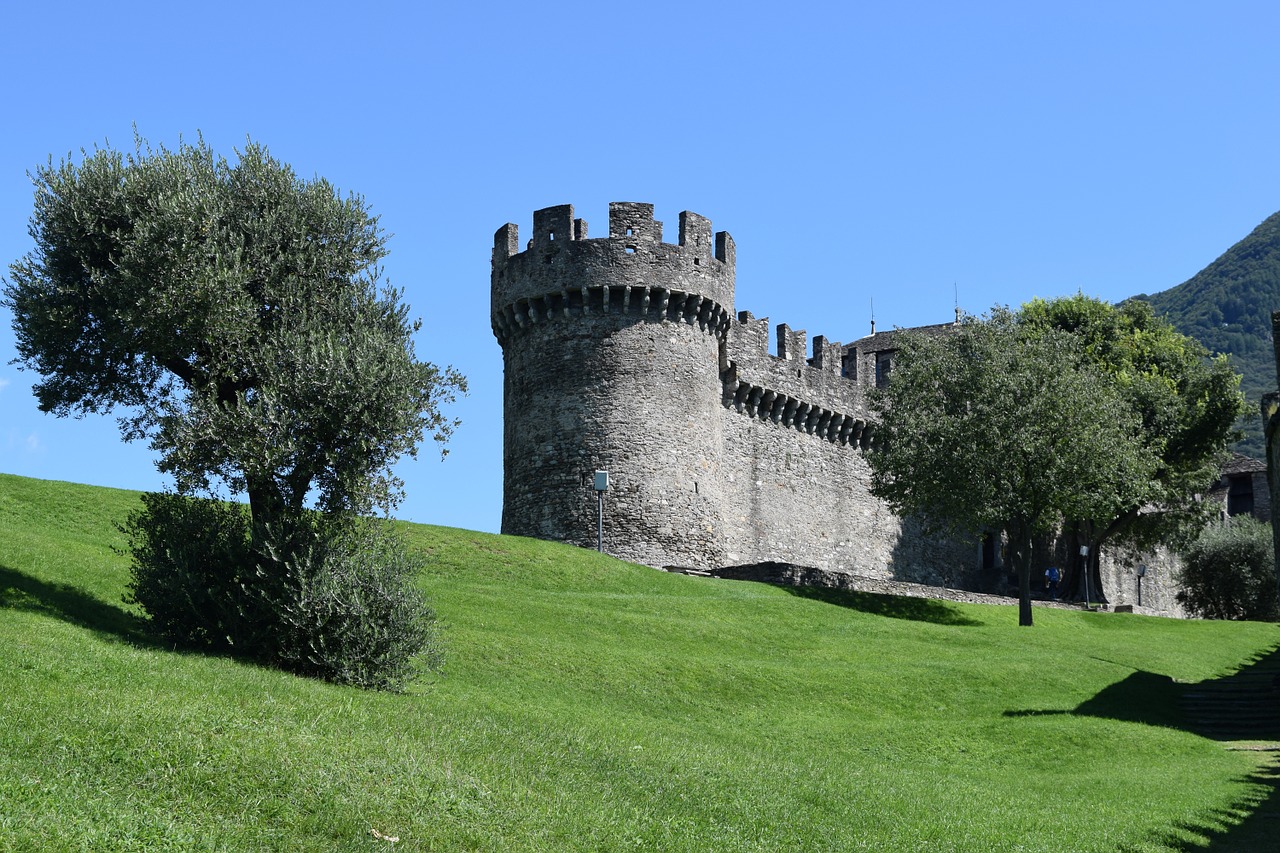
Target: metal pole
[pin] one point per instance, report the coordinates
(600, 522)
(1084, 557)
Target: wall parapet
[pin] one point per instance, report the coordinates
(633, 254)
(795, 372)
(769, 405)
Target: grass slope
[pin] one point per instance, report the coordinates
(593, 705)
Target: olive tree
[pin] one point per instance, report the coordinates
(983, 427)
(237, 318)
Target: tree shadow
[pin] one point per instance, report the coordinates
(19, 591)
(1248, 825)
(1142, 697)
(892, 606)
(1241, 707)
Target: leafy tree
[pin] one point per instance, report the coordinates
(985, 427)
(1230, 572)
(1186, 402)
(237, 314)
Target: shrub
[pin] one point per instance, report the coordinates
(191, 557)
(330, 596)
(1230, 572)
(347, 610)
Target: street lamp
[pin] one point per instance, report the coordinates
(1142, 571)
(1084, 557)
(602, 486)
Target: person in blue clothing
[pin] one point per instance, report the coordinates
(1051, 578)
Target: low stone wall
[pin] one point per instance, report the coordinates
(787, 574)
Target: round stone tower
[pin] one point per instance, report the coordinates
(612, 354)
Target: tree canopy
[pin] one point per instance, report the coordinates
(1230, 572)
(238, 318)
(1187, 403)
(987, 427)
(237, 312)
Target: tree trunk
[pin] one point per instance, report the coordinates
(1020, 551)
(266, 507)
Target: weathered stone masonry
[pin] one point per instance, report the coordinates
(624, 353)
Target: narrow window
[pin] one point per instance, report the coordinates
(884, 363)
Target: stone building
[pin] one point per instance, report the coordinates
(626, 354)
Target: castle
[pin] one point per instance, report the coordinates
(625, 354)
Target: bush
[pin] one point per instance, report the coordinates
(330, 596)
(347, 610)
(1230, 572)
(191, 557)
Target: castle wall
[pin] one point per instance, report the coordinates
(795, 478)
(1159, 584)
(636, 399)
(611, 350)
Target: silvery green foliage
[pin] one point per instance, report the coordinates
(237, 312)
(238, 316)
(327, 595)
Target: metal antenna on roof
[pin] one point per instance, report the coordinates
(956, 285)
(873, 315)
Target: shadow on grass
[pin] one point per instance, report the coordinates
(1243, 706)
(1249, 825)
(1142, 697)
(892, 606)
(20, 591)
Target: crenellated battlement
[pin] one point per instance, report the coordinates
(804, 382)
(560, 258)
(631, 225)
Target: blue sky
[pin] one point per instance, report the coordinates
(859, 153)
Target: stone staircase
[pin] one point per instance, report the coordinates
(1242, 706)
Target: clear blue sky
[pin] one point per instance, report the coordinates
(856, 151)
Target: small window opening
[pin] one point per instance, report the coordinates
(697, 262)
(630, 231)
(551, 235)
(884, 365)
(1240, 495)
(631, 250)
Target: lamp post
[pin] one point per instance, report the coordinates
(602, 486)
(1084, 558)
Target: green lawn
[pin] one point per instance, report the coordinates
(594, 705)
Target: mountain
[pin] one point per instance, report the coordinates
(1227, 307)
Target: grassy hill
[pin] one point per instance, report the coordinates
(589, 704)
(1227, 307)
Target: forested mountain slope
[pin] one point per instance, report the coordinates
(1227, 307)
